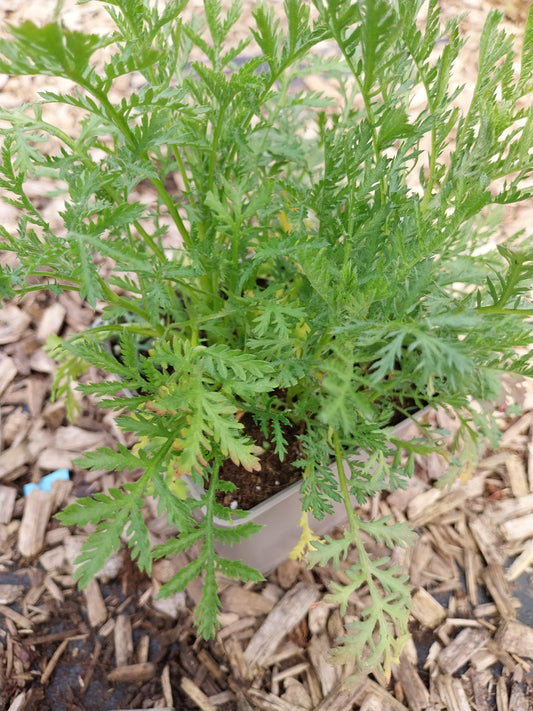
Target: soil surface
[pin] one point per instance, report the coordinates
(116, 646)
(274, 475)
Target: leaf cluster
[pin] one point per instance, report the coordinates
(310, 258)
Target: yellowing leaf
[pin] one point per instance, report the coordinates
(306, 539)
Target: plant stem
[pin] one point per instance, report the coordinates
(344, 485)
(124, 128)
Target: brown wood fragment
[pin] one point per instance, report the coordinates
(371, 703)
(8, 371)
(313, 686)
(15, 427)
(501, 655)
(166, 686)
(502, 699)
(263, 701)
(235, 598)
(53, 458)
(236, 627)
(480, 692)
(292, 608)
(196, 695)
(13, 323)
(211, 665)
(530, 464)
(10, 593)
(37, 391)
(515, 638)
(413, 687)
(19, 702)
(223, 697)
(288, 572)
(54, 589)
(89, 670)
(461, 649)
(421, 554)
(318, 618)
(428, 611)
(297, 695)
(51, 321)
(517, 529)
(488, 541)
(7, 503)
(517, 476)
(343, 699)
(288, 650)
(290, 672)
(52, 663)
(123, 640)
(54, 413)
(20, 620)
(498, 589)
(133, 673)
(432, 504)
(520, 564)
(12, 460)
(53, 559)
(517, 700)
(511, 508)
(55, 637)
(517, 428)
(77, 439)
(473, 566)
(96, 609)
(235, 656)
(483, 659)
(143, 649)
(453, 694)
(318, 651)
(37, 512)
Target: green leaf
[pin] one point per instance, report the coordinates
(110, 460)
(51, 50)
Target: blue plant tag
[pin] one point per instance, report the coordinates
(46, 482)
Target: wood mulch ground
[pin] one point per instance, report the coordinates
(115, 646)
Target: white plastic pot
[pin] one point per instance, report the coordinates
(280, 515)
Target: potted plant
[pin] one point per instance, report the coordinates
(322, 276)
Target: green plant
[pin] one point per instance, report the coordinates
(327, 273)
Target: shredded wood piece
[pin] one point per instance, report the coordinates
(47, 673)
(461, 649)
(133, 672)
(292, 607)
(196, 695)
(515, 637)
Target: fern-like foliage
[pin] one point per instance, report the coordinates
(309, 259)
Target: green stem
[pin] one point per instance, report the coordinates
(127, 327)
(432, 170)
(44, 287)
(500, 310)
(181, 166)
(344, 485)
(216, 137)
(157, 250)
(126, 131)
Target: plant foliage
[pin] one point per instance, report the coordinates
(323, 265)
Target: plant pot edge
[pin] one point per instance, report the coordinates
(280, 515)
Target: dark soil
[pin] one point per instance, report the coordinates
(275, 474)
